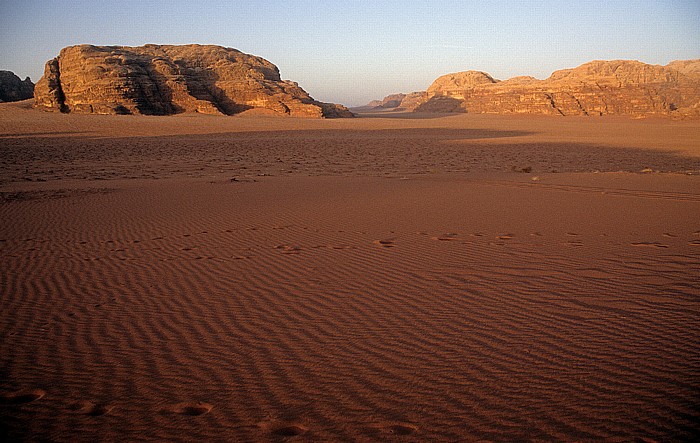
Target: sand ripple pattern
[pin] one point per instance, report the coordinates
(183, 317)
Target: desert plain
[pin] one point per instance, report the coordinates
(392, 277)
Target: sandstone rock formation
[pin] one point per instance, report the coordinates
(413, 100)
(396, 102)
(12, 88)
(452, 84)
(688, 67)
(596, 88)
(390, 101)
(165, 79)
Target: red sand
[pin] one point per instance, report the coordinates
(359, 280)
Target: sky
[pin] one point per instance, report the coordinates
(351, 52)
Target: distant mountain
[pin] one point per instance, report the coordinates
(620, 87)
(167, 79)
(13, 89)
(390, 101)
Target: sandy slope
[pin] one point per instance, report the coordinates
(374, 279)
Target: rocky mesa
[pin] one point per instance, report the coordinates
(620, 87)
(171, 79)
(13, 89)
(390, 101)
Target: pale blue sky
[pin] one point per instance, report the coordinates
(353, 51)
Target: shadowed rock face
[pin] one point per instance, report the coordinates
(165, 79)
(13, 89)
(597, 88)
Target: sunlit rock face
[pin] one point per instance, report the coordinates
(620, 87)
(166, 79)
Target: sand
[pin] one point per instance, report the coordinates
(388, 278)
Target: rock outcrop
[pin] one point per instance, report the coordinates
(390, 101)
(13, 89)
(166, 79)
(690, 68)
(452, 84)
(396, 102)
(619, 87)
(413, 100)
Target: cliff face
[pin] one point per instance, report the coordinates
(12, 88)
(390, 101)
(595, 88)
(458, 82)
(164, 79)
(690, 68)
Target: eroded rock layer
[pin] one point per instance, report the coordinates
(166, 79)
(390, 101)
(620, 87)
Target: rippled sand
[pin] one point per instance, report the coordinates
(391, 278)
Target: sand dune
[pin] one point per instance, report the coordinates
(380, 279)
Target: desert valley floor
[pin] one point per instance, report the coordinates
(395, 277)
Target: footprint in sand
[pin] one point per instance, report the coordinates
(90, 409)
(289, 430)
(283, 428)
(447, 237)
(21, 397)
(289, 249)
(191, 409)
(334, 247)
(387, 243)
(648, 244)
(397, 428)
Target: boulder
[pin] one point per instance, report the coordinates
(167, 79)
